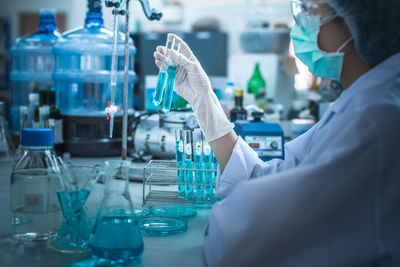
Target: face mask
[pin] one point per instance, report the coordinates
(320, 63)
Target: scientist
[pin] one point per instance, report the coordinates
(335, 199)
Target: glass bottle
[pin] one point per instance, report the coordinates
(238, 112)
(34, 206)
(115, 237)
(257, 86)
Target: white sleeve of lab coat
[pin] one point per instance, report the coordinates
(321, 213)
(245, 164)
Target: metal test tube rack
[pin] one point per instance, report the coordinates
(159, 175)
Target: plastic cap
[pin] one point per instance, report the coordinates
(238, 92)
(33, 97)
(230, 84)
(37, 137)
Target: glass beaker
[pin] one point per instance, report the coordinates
(115, 237)
(73, 191)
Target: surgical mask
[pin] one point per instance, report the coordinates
(320, 63)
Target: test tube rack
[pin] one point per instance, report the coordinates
(160, 182)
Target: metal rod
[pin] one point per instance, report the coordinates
(126, 69)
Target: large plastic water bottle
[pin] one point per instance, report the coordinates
(228, 98)
(33, 63)
(34, 206)
(82, 81)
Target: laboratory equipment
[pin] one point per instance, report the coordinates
(179, 161)
(174, 211)
(188, 164)
(238, 112)
(35, 212)
(32, 63)
(267, 139)
(198, 163)
(83, 64)
(209, 176)
(6, 146)
(228, 98)
(55, 122)
(162, 226)
(160, 176)
(44, 116)
(162, 77)
(115, 237)
(75, 185)
(33, 103)
(169, 86)
(155, 133)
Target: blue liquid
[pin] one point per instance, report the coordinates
(198, 164)
(179, 162)
(116, 239)
(189, 180)
(215, 167)
(208, 180)
(169, 89)
(158, 93)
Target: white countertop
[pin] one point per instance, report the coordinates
(180, 250)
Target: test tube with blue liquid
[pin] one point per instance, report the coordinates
(162, 77)
(187, 141)
(180, 161)
(198, 164)
(215, 167)
(169, 87)
(209, 175)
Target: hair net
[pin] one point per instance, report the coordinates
(374, 24)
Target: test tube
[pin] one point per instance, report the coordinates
(198, 164)
(208, 180)
(187, 141)
(215, 167)
(169, 87)
(162, 76)
(180, 162)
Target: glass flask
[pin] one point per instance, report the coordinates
(32, 63)
(75, 185)
(35, 211)
(116, 237)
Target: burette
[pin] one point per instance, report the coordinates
(111, 108)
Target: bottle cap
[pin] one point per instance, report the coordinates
(37, 137)
(230, 84)
(238, 92)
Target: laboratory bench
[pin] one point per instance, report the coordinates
(178, 250)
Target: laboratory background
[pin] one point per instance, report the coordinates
(108, 165)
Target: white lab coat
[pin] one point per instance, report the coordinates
(333, 201)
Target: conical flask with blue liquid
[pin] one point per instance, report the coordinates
(115, 237)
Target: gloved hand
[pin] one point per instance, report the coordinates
(192, 83)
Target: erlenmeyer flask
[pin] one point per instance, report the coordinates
(115, 237)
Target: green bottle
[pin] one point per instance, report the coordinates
(257, 87)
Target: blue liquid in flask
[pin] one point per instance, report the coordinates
(158, 93)
(116, 239)
(169, 89)
(180, 164)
